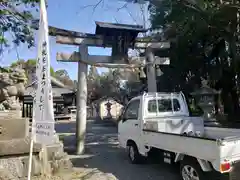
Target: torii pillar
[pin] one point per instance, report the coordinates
(81, 118)
(151, 75)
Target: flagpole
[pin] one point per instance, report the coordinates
(31, 140)
(30, 160)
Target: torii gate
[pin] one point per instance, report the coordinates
(84, 40)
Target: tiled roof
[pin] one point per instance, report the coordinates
(53, 80)
(58, 88)
(56, 91)
(120, 26)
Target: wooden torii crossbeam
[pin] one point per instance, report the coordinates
(98, 42)
(84, 40)
(78, 38)
(70, 37)
(103, 61)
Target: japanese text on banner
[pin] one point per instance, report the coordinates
(43, 117)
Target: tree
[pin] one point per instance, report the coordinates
(63, 76)
(115, 83)
(28, 65)
(204, 37)
(17, 21)
(93, 73)
(106, 84)
(93, 84)
(61, 73)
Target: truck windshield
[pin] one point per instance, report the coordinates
(163, 105)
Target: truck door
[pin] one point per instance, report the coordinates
(130, 127)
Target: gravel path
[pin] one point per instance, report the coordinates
(104, 160)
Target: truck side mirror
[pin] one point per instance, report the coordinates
(124, 119)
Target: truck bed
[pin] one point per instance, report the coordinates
(221, 133)
(217, 144)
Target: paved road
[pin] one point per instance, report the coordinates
(104, 155)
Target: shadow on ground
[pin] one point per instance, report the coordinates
(70, 126)
(65, 127)
(103, 154)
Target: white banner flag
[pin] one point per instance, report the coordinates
(43, 117)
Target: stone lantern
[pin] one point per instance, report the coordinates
(204, 97)
(108, 107)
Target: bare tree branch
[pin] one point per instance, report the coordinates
(116, 20)
(94, 6)
(130, 14)
(15, 47)
(122, 7)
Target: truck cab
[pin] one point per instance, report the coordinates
(165, 112)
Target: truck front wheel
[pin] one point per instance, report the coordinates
(133, 154)
(191, 170)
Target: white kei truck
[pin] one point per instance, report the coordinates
(160, 124)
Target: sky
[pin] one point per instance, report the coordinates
(79, 15)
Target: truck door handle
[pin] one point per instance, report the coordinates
(136, 124)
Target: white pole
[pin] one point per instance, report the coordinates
(30, 160)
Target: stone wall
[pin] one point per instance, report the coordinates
(15, 147)
(10, 114)
(17, 166)
(12, 126)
